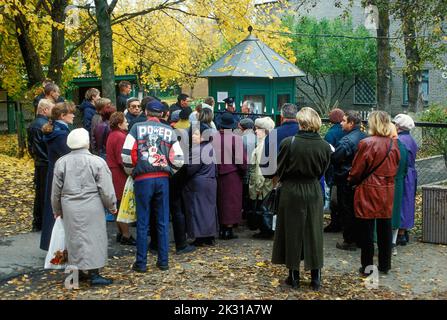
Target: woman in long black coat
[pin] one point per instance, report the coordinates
(55, 136)
(302, 160)
(200, 191)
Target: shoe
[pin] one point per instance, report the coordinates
(187, 249)
(198, 242)
(401, 240)
(36, 229)
(110, 217)
(228, 234)
(210, 241)
(162, 267)
(83, 276)
(293, 279)
(97, 280)
(315, 283)
(332, 228)
(407, 236)
(346, 246)
(119, 236)
(363, 273)
(128, 241)
(153, 251)
(394, 250)
(383, 271)
(138, 269)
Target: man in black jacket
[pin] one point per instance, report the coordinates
(342, 161)
(125, 88)
(182, 102)
(38, 150)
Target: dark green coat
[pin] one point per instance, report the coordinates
(399, 185)
(300, 218)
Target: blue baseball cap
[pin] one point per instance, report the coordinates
(155, 106)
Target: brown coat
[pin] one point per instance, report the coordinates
(374, 196)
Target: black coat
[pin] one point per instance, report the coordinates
(36, 146)
(121, 101)
(344, 154)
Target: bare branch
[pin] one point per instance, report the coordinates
(112, 6)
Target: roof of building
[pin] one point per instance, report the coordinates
(252, 58)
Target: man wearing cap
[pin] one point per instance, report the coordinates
(229, 108)
(404, 123)
(151, 153)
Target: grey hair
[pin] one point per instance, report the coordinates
(154, 114)
(289, 110)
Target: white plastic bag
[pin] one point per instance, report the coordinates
(57, 254)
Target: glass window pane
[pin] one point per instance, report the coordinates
(259, 101)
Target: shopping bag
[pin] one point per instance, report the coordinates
(127, 212)
(57, 255)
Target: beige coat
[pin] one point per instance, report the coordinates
(82, 188)
(258, 184)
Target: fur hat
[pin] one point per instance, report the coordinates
(404, 122)
(78, 139)
(247, 123)
(265, 123)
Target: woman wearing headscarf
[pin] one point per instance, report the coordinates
(373, 171)
(200, 191)
(82, 187)
(302, 160)
(404, 124)
(259, 186)
(55, 137)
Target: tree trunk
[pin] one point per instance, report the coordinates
(413, 69)
(57, 42)
(30, 56)
(384, 58)
(106, 50)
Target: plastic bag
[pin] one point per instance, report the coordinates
(57, 255)
(128, 209)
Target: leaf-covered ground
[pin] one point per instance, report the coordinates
(16, 195)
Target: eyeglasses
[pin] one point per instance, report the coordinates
(134, 106)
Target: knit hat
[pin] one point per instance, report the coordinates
(78, 139)
(404, 122)
(336, 115)
(247, 123)
(265, 123)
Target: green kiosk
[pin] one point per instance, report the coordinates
(253, 71)
(81, 84)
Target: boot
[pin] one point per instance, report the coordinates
(316, 279)
(97, 280)
(293, 279)
(229, 234)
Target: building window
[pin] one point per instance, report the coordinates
(282, 98)
(364, 92)
(259, 102)
(425, 87)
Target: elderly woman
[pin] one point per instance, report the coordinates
(302, 160)
(82, 187)
(404, 124)
(373, 171)
(259, 186)
(55, 137)
(200, 191)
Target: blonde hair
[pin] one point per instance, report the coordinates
(92, 92)
(308, 119)
(101, 103)
(393, 133)
(44, 104)
(379, 124)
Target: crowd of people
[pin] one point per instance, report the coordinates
(207, 172)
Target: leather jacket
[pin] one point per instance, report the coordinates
(36, 146)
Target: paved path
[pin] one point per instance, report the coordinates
(418, 269)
